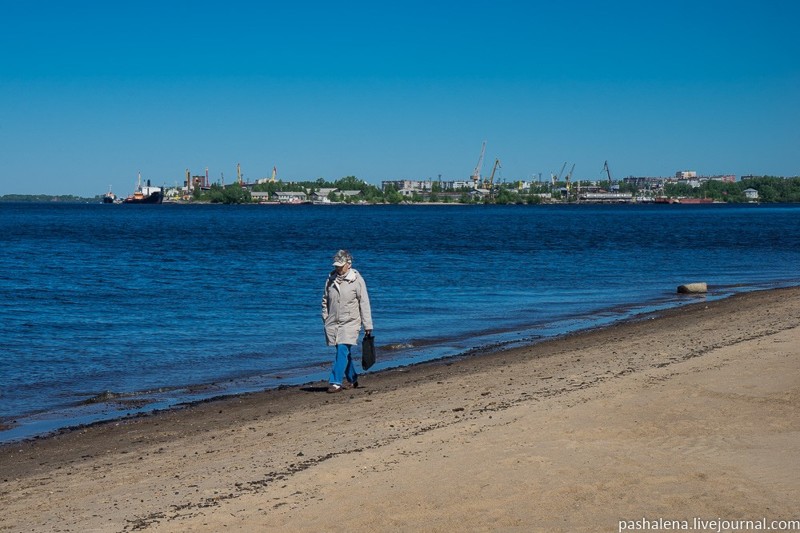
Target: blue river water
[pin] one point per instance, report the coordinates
(112, 310)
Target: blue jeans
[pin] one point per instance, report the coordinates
(343, 366)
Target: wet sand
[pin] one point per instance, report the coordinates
(689, 413)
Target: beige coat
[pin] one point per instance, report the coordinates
(345, 308)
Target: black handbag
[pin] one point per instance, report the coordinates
(367, 351)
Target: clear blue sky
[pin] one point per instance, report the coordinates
(93, 92)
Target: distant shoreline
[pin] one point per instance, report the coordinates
(433, 204)
(685, 187)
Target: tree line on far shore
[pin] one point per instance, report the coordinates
(64, 198)
(771, 189)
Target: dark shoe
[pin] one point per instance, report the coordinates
(348, 385)
(334, 388)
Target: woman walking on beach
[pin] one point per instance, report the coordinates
(345, 308)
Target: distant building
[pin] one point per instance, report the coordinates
(349, 194)
(645, 182)
(173, 193)
(408, 185)
(259, 196)
(457, 185)
(751, 194)
(196, 182)
(290, 197)
(726, 178)
(479, 193)
(606, 197)
(691, 177)
(321, 195)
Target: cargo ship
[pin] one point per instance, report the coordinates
(145, 195)
(109, 197)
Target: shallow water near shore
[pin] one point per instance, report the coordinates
(110, 310)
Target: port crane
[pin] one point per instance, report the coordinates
(607, 171)
(554, 178)
(489, 184)
(568, 178)
(476, 174)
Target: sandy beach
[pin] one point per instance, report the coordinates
(686, 414)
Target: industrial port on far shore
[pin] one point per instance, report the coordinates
(560, 187)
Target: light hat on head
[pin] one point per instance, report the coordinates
(342, 258)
